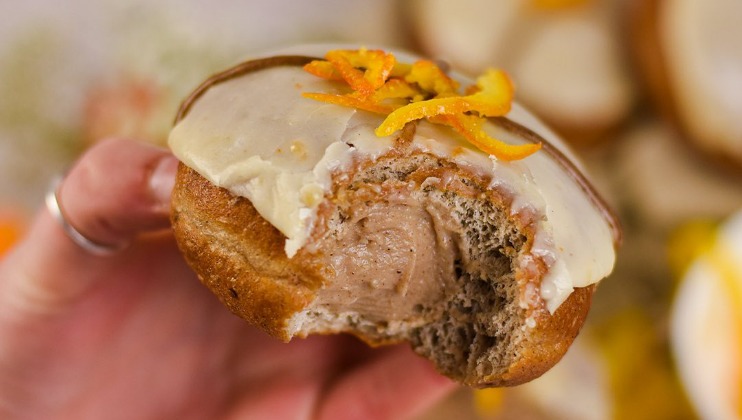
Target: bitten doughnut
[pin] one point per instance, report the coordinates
(358, 191)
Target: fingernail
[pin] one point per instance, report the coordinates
(162, 180)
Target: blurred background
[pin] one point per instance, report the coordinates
(648, 92)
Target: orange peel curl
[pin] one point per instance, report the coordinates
(410, 92)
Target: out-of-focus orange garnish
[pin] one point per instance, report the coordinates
(489, 402)
(409, 92)
(11, 229)
(557, 4)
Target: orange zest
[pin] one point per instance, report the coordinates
(409, 92)
(351, 102)
(471, 128)
(495, 94)
(396, 89)
(419, 110)
(431, 78)
(377, 64)
(323, 69)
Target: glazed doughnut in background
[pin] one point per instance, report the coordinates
(689, 57)
(566, 57)
(706, 317)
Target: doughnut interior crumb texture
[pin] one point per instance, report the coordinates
(480, 331)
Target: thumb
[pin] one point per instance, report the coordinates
(117, 191)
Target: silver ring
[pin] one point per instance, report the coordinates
(92, 247)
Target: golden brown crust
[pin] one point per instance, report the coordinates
(548, 340)
(238, 255)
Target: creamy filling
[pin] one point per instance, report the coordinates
(394, 259)
(256, 136)
(417, 255)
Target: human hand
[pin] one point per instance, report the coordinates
(134, 335)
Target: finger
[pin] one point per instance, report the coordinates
(119, 189)
(397, 385)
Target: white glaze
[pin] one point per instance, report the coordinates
(242, 135)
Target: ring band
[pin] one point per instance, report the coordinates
(92, 247)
